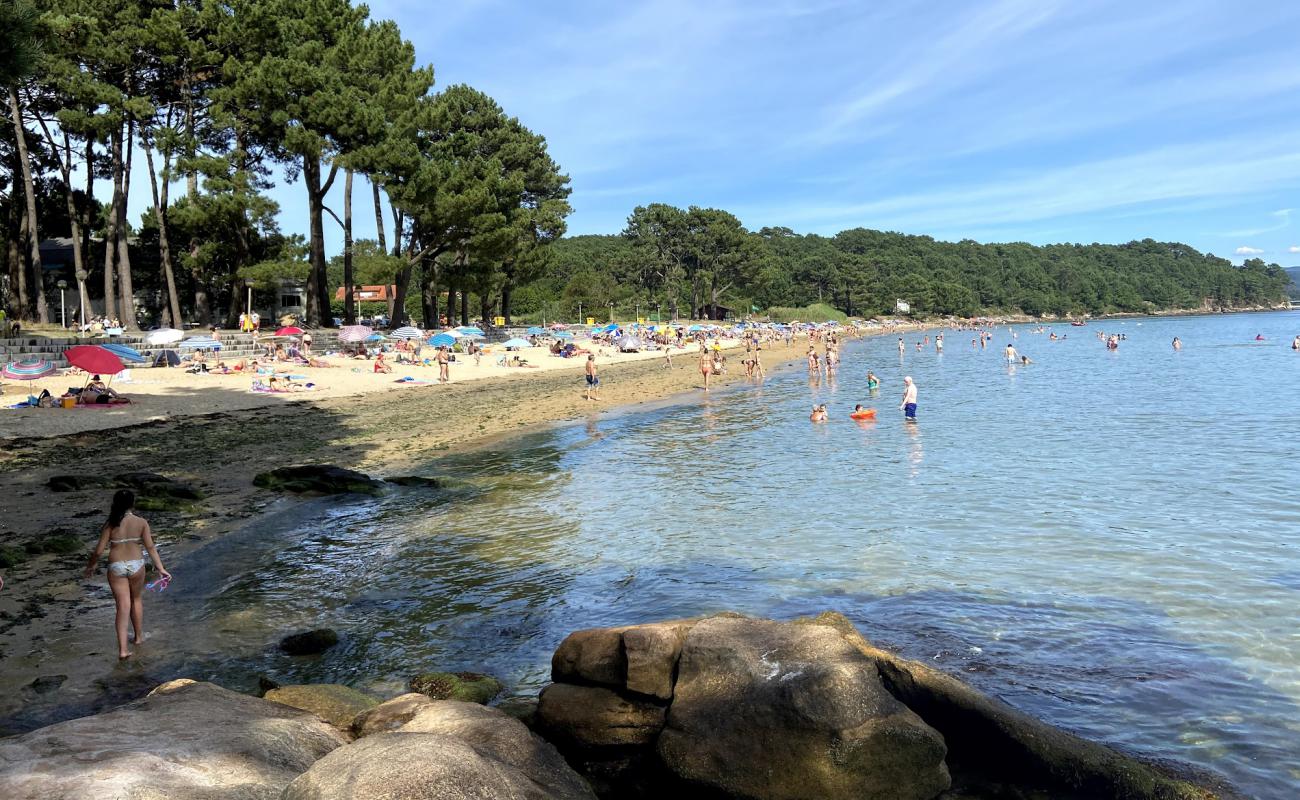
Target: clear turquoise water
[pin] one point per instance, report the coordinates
(1108, 540)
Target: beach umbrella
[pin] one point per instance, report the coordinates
(163, 336)
(407, 332)
(442, 340)
(376, 337)
(167, 358)
(536, 331)
(629, 344)
(516, 342)
(125, 353)
(289, 331)
(354, 333)
(695, 328)
(559, 326)
(200, 343)
(93, 358)
(563, 335)
(28, 369)
(471, 330)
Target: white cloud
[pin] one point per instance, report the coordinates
(1247, 251)
(1295, 248)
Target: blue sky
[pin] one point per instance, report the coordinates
(1019, 120)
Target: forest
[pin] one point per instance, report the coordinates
(218, 99)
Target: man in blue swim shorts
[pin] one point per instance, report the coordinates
(593, 382)
(909, 399)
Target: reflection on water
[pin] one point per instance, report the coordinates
(1107, 540)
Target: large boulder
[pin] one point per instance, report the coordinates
(184, 740)
(594, 716)
(994, 743)
(336, 704)
(309, 643)
(318, 479)
(390, 714)
(448, 751)
(765, 709)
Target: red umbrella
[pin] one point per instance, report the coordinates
(94, 359)
(289, 331)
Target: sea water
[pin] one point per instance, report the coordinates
(1108, 540)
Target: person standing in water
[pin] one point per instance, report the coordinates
(908, 405)
(1295, 343)
(127, 538)
(872, 381)
(1178, 345)
(938, 344)
(900, 345)
(1012, 355)
(706, 367)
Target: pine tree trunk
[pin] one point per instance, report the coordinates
(123, 184)
(379, 218)
(110, 233)
(349, 281)
(87, 227)
(34, 239)
(316, 243)
(164, 246)
(485, 305)
(429, 302)
(202, 307)
(19, 262)
(464, 305)
(506, 290)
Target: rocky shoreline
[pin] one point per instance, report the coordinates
(725, 706)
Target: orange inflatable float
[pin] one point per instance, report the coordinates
(866, 413)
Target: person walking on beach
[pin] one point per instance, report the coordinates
(908, 405)
(593, 383)
(127, 538)
(444, 365)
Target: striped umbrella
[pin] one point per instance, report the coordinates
(354, 333)
(28, 370)
(200, 343)
(125, 353)
(407, 332)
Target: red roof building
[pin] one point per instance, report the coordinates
(370, 294)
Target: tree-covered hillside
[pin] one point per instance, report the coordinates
(698, 258)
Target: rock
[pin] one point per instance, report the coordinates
(336, 704)
(470, 687)
(448, 751)
(591, 656)
(521, 707)
(416, 480)
(389, 715)
(155, 487)
(594, 716)
(75, 483)
(764, 709)
(318, 479)
(651, 652)
(309, 643)
(184, 740)
(266, 684)
(58, 542)
(47, 683)
(11, 556)
(1002, 745)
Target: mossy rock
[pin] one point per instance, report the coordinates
(309, 643)
(470, 687)
(153, 485)
(57, 542)
(11, 556)
(74, 483)
(336, 704)
(318, 479)
(416, 480)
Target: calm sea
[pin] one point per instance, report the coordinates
(1107, 540)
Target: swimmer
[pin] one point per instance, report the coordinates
(1295, 343)
(818, 414)
(874, 383)
(1178, 345)
(1025, 360)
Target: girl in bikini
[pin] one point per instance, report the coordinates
(126, 537)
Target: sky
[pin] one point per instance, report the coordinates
(1003, 120)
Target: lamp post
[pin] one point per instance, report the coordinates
(63, 314)
(579, 313)
(248, 282)
(611, 310)
(658, 316)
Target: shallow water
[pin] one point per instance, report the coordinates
(1108, 540)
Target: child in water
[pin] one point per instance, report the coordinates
(818, 414)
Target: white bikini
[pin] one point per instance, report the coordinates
(125, 569)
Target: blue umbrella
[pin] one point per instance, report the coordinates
(125, 353)
(470, 329)
(563, 335)
(695, 328)
(375, 337)
(536, 331)
(516, 342)
(442, 340)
